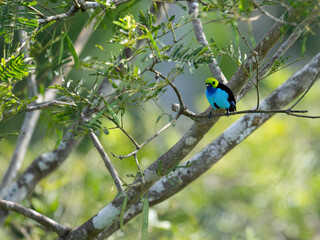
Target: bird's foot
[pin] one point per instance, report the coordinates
(210, 114)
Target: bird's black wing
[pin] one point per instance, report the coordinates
(231, 98)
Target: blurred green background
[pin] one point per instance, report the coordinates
(268, 187)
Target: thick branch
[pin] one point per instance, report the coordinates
(40, 168)
(36, 216)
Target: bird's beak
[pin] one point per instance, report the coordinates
(208, 85)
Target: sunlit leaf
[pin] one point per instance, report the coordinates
(123, 210)
(72, 50)
(145, 219)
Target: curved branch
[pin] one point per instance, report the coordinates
(36, 216)
(270, 15)
(84, 5)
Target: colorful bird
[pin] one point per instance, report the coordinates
(220, 96)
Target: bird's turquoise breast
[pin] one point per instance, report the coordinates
(217, 97)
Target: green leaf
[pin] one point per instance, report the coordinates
(159, 168)
(72, 50)
(14, 68)
(60, 135)
(303, 44)
(106, 131)
(153, 42)
(235, 33)
(61, 48)
(123, 210)
(145, 218)
(97, 116)
(99, 46)
(113, 115)
(98, 21)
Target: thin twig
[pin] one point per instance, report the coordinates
(124, 131)
(270, 15)
(181, 108)
(289, 111)
(282, 49)
(73, 9)
(50, 224)
(254, 54)
(149, 139)
(36, 10)
(138, 165)
(170, 23)
(107, 162)
(159, 74)
(303, 95)
(43, 105)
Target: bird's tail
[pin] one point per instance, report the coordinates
(232, 107)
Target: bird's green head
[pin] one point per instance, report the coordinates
(212, 82)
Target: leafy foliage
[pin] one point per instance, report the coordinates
(14, 69)
(14, 16)
(11, 105)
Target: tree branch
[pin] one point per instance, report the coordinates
(31, 118)
(181, 108)
(36, 216)
(294, 36)
(48, 104)
(203, 119)
(263, 48)
(107, 162)
(27, 127)
(270, 15)
(40, 168)
(84, 5)
(201, 38)
(304, 94)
